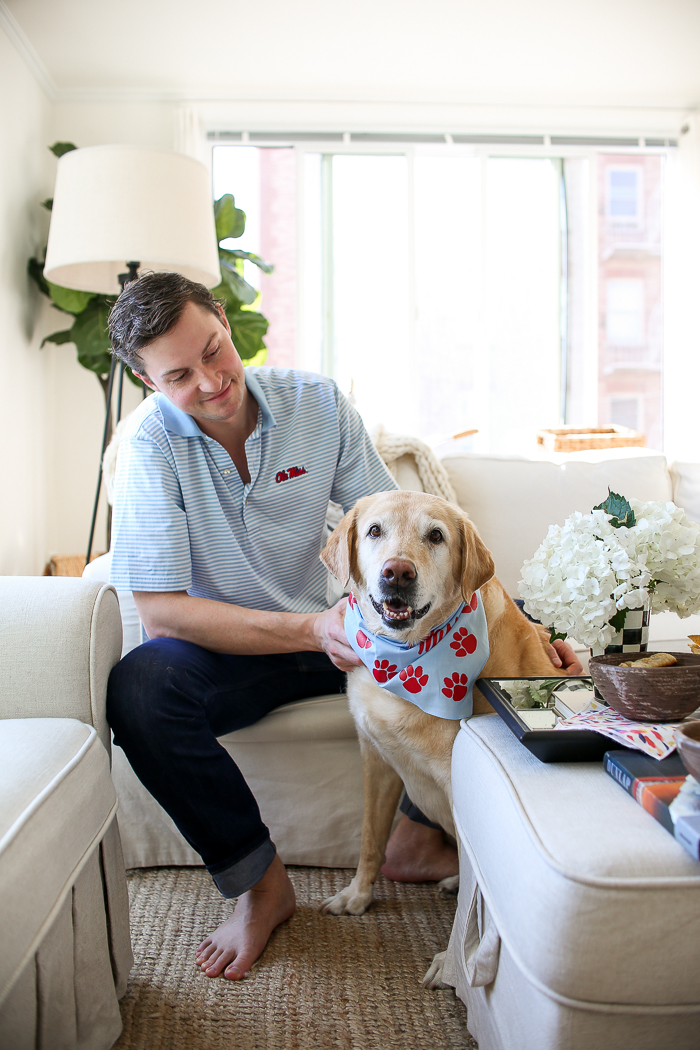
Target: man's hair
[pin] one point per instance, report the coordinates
(148, 308)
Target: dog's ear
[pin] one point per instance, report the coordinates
(339, 553)
(477, 566)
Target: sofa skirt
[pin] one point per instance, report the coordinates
(578, 917)
(507, 1008)
(303, 764)
(66, 995)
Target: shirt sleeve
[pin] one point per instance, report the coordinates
(150, 537)
(361, 471)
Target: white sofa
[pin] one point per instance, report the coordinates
(302, 761)
(64, 914)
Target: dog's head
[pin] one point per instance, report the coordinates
(410, 558)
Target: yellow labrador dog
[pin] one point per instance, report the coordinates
(413, 561)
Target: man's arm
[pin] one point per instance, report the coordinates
(225, 628)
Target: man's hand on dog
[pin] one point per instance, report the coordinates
(563, 656)
(329, 631)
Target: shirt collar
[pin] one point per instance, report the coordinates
(178, 422)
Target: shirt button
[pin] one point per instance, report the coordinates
(225, 471)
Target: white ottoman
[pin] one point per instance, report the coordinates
(578, 926)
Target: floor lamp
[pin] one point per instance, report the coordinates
(118, 210)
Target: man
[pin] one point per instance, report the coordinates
(221, 492)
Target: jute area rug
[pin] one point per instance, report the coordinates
(347, 983)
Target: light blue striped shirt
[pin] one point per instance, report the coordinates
(184, 520)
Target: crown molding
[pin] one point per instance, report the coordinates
(27, 52)
(218, 109)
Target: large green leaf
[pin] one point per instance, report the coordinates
(230, 220)
(238, 286)
(59, 148)
(236, 253)
(58, 337)
(222, 291)
(247, 331)
(35, 269)
(69, 300)
(619, 508)
(48, 203)
(90, 335)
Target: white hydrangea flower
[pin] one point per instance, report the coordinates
(586, 570)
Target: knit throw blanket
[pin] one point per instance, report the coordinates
(433, 476)
(436, 674)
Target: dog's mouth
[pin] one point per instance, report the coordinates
(397, 613)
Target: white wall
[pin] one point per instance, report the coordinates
(24, 182)
(51, 409)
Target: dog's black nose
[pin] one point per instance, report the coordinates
(399, 572)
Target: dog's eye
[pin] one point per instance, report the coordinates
(374, 530)
(436, 536)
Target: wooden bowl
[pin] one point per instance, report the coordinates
(688, 742)
(648, 694)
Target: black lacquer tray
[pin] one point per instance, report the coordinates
(529, 726)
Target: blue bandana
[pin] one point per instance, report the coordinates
(438, 673)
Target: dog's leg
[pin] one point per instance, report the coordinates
(382, 790)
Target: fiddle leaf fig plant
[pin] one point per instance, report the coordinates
(90, 310)
(248, 326)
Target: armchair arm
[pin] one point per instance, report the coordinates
(59, 639)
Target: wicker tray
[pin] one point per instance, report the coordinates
(67, 564)
(576, 439)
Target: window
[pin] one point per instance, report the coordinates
(449, 287)
(623, 198)
(624, 316)
(625, 411)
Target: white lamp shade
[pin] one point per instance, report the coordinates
(117, 204)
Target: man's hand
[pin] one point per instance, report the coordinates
(563, 657)
(329, 632)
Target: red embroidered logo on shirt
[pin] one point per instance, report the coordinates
(291, 472)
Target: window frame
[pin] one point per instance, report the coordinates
(556, 148)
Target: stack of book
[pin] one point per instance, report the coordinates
(663, 789)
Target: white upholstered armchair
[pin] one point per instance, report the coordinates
(64, 919)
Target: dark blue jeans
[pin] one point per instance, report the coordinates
(168, 701)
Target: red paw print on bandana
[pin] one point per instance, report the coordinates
(456, 687)
(352, 600)
(413, 678)
(383, 670)
(472, 605)
(362, 640)
(463, 642)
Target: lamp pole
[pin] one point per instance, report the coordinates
(124, 279)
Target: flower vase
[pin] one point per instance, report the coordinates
(632, 638)
(634, 635)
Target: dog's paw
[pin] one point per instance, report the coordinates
(450, 884)
(433, 978)
(348, 902)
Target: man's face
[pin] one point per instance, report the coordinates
(196, 366)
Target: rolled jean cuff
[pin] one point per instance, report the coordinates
(245, 873)
(413, 813)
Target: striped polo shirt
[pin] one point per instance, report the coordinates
(184, 520)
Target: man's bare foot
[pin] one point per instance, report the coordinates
(417, 853)
(235, 945)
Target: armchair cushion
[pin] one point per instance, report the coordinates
(60, 638)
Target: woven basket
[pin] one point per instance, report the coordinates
(576, 439)
(67, 564)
